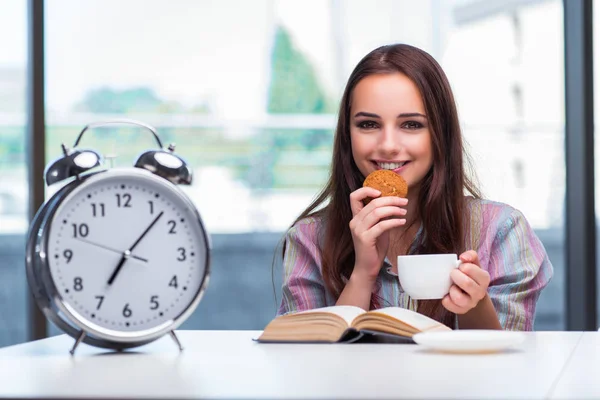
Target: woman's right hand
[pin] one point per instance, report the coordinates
(370, 227)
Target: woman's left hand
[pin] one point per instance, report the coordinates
(470, 284)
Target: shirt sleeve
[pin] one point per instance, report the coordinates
(519, 269)
(303, 287)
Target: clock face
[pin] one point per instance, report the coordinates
(127, 253)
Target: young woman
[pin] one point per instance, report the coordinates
(398, 113)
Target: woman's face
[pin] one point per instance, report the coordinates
(389, 128)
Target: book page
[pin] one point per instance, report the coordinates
(348, 313)
(416, 320)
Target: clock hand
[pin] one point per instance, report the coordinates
(127, 253)
(110, 249)
(146, 231)
(118, 268)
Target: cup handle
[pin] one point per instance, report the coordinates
(458, 263)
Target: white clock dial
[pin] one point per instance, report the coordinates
(127, 252)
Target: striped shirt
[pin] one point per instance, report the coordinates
(507, 247)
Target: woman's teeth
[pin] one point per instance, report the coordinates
(391, 166)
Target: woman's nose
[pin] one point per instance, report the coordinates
(390, 141)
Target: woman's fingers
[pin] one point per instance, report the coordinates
(380, 214)
(465, 282)
(383, 226)
(470, 256)
(459, 297)
(371, 216)
(470, 283)
(476, 273)
(450, 306)
(357, 197)
(457, 301)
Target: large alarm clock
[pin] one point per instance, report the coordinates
(117, 258)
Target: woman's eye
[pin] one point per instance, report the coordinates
(367, 125)
(412, 125)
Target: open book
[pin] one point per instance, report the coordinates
(346, 324)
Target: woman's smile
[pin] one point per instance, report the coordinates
(396, 166)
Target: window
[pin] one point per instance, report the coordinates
(13, 174)
(506, 66)
(250, 98)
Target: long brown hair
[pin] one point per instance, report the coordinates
(441, 198)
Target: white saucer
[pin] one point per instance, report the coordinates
(469, 340)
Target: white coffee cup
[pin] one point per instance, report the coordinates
(426, 276)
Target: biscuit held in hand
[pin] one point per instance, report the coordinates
(387, 182)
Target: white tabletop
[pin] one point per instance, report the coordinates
(228, 364)
(581, 376)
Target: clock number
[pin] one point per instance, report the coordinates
(173, 282)
(154, 302)
(81, 230)
(100, 300)
(68, 254)
(127, 311)
(151, 203)
(173, 224)
(78, 284)
(182, 256)
(98, 209)
(124, 200)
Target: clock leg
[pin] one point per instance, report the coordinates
(79, 339)
(177, 342)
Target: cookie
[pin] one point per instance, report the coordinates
(387, 182)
